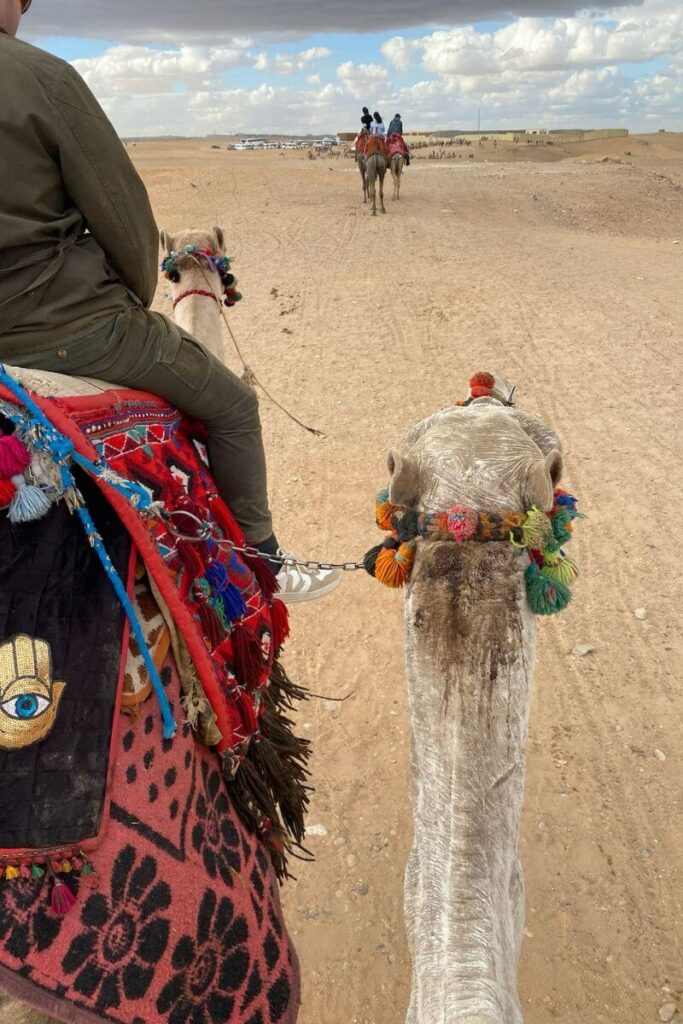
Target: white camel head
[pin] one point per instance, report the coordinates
(485, 455)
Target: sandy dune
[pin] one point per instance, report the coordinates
(565, 273)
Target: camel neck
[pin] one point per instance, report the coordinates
(470, 644)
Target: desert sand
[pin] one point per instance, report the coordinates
(563, 269)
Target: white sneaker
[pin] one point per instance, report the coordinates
(297, 583)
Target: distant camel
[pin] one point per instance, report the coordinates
(375, 167)
(396, 168)
(359, 152)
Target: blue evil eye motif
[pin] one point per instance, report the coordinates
(29, 696)
(27, 705)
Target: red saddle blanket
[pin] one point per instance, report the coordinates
(396, 144)
(177, 917)
(222, 602)
(369, 145)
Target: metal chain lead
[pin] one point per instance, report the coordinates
(205, 533)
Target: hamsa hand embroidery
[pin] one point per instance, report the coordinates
(29, 697)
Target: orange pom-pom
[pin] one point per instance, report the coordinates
(393, 566)
(384, 510)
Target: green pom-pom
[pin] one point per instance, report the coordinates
(560, 521)
(546, 596)
(37, 871)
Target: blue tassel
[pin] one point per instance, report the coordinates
(233, 602)
(29, 503)
(231, 596)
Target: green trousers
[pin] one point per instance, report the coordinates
(142, 349)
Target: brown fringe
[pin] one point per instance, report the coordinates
(270, 789)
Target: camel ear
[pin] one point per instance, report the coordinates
(404, 480)
(219, 240)
(554, 464)
(541, 480)
(166, 241)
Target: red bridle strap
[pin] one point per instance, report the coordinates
(196, 291)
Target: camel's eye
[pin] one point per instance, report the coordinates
(25, 706)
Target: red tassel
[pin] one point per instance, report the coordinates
(220, 512)
(62, 898)
(211, 624)
(191, 559)
(265, 577)
(247, 710)
(249, 665)
(279, 616)
(7, 490)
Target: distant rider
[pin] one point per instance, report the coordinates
(378, 125)
(366, 119)
(396, 125)
(396, 128)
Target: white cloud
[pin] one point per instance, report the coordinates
(629, 34)
(359, 80)
(290, 63)
(400, 52)
(580, 70)
(140, 69)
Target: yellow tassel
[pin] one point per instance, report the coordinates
(11, 873)
(559, 567)
(66, 867)
(536, 531)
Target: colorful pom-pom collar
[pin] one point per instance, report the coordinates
(216, 262)
(549, 575)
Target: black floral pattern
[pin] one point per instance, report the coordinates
(214, 835)
(123, 936)
(210, 968)
(26, 922)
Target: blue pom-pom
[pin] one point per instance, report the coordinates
(29, 502)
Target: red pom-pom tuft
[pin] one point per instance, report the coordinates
(7, 490)
(14, 458)
(481, 385)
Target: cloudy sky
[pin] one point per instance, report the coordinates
(196, 67)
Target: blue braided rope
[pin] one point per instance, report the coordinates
(61, 449)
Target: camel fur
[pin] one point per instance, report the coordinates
(470, 644)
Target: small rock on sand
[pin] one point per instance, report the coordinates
(316, 830)
(640, 613)
(659, 754)
(581, 650)
(666, 1012)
